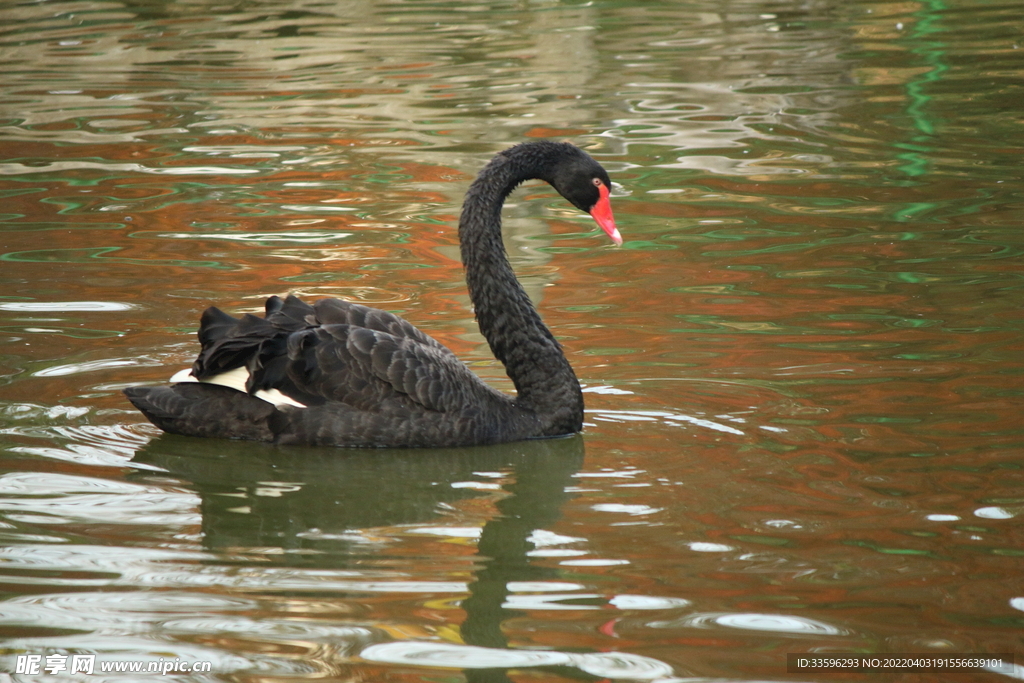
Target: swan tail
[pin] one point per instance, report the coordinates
(210, 410)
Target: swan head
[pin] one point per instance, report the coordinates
(585, 183)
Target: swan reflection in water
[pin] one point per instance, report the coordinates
(314, 524)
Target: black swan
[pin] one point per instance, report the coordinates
(339, 374)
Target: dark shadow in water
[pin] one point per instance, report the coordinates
(258, 496)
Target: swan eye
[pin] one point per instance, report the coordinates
(597, 182)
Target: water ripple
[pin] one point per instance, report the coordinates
(669, 418)
(612, 665)
(60, 498)
(751, 621)
(65, 306)
(309, 237)
(88, 366)
(17, 169)
(113, 610)
(94, 445)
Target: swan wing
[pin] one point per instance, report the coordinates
(377, 371)
(338, 311)
(333, 351)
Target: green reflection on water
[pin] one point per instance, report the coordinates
(916, 163)
(763, 540)
(645, 245)
(891, 551)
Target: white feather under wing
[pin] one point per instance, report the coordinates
(277, 398)
(236, 379)
(183, 376)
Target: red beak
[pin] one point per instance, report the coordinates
(602, 213)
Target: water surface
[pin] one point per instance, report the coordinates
(803, 369)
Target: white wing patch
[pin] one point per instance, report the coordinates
(183, 376)
(277, 398)
(236, 379)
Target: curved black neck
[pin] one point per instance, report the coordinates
(532, 357)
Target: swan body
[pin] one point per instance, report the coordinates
(335, 373)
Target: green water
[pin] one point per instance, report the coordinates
(804, 370)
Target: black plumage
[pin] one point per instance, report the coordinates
(351, 375)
